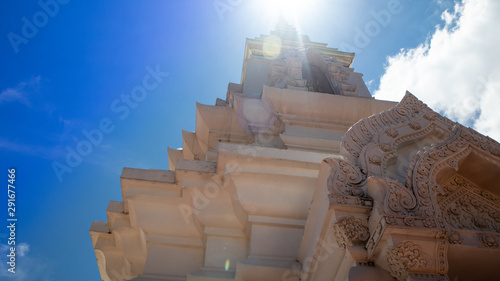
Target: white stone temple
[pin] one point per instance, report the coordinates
(299, 174)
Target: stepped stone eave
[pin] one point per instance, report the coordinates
(191, 148)
(116, 216)
(318, 106)
(213, 120)
(173, 156)
(231, 150)
(154, 182)
(170, 219)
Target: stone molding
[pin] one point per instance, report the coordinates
(351, 200)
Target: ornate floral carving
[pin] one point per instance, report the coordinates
(464, 206)
(374, 159)
(431, 116)
(488, 240)
(412, 104)
(470, 213)
(377, 127)
(341, 200)
(338, 75)
(455, 238)
(351, 200)
(495, 150)
(385, 147)
(424, 169)
(415, 125)
(392, 133)
(345, 178)
(409, 221)
(350, 230)
(365, 132)
(399, 199)
(390, 220)
(406, 256)
(359, 201)
(442, 252)
(423, 200)
(428, 222)
(287, 71)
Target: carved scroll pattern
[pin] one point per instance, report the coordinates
(399, 199)
(350, 230)
(406, 256)
(345, 178)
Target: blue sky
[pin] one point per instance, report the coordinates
(71, 74)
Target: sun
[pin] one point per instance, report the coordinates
(291, 10)
(287, 8)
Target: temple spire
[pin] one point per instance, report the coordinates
(285, 31)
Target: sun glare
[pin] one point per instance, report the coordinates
(288, 8)
(291, 10)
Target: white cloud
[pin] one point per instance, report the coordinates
(457, 71)
(37, 150)
(18, 93)
(22, 249)
(12, 94)
(28, 267)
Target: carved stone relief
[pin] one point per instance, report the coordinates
(489, 241)
(454, 237)
(423, 170)
(406, 256)
(407, 121)
(345, 179)
(465, 206)
(399, 199)
(338, 75)
(350, 230)
(417, 197)
(286, 72)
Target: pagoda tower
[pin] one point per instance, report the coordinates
(299, 174)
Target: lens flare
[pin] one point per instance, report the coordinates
(271, 47)
(291, 10)
(226, 267)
